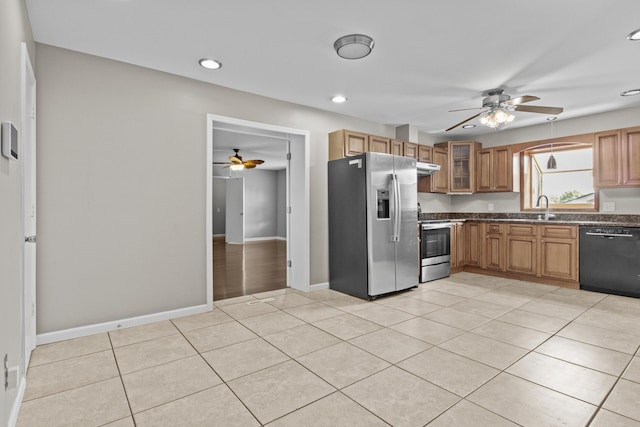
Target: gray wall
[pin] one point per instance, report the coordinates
(260, 203)
(264, 192)
(14, 29)
(219, 205)
(121, 160)
(282, 203)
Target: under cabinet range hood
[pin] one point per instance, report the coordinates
(426, 168)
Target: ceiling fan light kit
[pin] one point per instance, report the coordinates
(498, 107)
(236, 163)
(353, 46)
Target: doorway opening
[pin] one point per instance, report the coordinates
(270, 240)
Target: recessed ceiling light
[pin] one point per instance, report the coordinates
(468, 126)
(635, 35)
(338, 99)
(630, 92)
(552, 119)
(353, 46)
(210, 64)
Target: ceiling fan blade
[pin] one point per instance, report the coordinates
(521, 100)
(466, 109)
(253, 162)
(464, 121)
(539, 109)
(249, 166)
(235, 160)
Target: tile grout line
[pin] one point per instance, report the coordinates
(604, 399)
(124, 388)
(218, 375)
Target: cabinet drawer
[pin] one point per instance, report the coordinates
(522, 229)
(494, 228)
(560, 231)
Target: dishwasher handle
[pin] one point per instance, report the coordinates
(608, 235)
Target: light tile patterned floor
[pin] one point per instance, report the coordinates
(469, 350)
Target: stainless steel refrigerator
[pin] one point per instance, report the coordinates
(373, 224)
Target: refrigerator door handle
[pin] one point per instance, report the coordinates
(396, 208)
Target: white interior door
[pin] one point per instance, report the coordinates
(234, 219)
(28, 205)
(297, 218)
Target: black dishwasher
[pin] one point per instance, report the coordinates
(610, 260)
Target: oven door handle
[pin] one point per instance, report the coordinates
(396, 207)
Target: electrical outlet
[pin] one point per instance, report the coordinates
(609, 206)
(490, 206)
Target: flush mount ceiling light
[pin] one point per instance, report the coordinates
(497, 116)
(635, 35)
(338, 99)
(630, 92)
(210, 64)
(353, 46)
(468, 126)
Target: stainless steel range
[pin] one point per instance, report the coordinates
(435, 250)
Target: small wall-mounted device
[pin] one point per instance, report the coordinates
(9, 136)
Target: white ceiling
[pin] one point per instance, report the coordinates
(429, 57)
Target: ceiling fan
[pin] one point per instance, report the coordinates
(236, 162)
(497, 107)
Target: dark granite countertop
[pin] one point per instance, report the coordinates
(560, 218)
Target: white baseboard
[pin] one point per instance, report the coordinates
(15, 408)
(219, 235)
(83, 331)
(318, 286)
(257, 239)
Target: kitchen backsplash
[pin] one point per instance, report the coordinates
(580, 217)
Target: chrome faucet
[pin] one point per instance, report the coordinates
(546, 212)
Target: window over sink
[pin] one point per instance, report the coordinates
(568, 185)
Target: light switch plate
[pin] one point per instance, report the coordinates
(9, 141)
(609, 206)
(490, 206)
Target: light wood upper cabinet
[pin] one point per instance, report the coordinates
(378, 144)
(462, 165)
(346, 143)
(397, 147)
(494, 169)
(410, 149)
(439, 181)
(616, 158)
(424, 153)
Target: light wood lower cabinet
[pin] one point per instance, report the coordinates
(457, 246)
(544, 251)
(494, 254)
(473, 232)
(522, 249)
(559, 252)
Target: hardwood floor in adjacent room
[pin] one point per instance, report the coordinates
(248, 269)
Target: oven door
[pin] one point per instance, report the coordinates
(435, 251)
